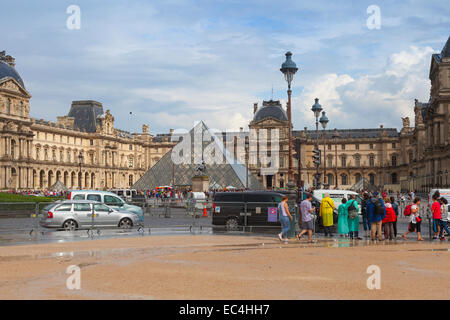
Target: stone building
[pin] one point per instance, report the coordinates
(350, 155)
(426, 146)
(416, 157)
(34, 154)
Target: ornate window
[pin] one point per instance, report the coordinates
(8, 106)
(371, 178)
(394, 160)
(13, 147)
(21, 109)
(343, 161)
(343, 179)
(357, 161)
(394, 178)
(130, 180)
(371, 160)
(130, 163)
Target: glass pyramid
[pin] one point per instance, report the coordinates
(177, 167)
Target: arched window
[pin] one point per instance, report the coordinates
(343, 179)
(357, 177)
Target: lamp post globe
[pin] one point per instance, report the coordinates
(323, 120)
(316, 108)
(289, 68)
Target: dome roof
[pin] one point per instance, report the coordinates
(7, 71)
(270, 109)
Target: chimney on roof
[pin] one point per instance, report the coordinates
(241, 129)
(381, 126)
(305, 128)
(171, 131)
(255, 107)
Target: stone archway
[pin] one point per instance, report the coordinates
(42, 179)
(14, 179)
(50, 178)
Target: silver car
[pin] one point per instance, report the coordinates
(77, 214)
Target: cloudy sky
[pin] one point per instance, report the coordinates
(172, 62)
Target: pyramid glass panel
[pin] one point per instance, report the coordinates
(222, 167)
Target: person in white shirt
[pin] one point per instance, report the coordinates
(415, 220)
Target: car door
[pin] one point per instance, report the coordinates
(83, 213)
(104, 217)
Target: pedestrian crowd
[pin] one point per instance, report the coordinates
(379, 212)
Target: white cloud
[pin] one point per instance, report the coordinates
(369, 99)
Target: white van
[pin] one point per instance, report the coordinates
(126, 194)
(337, 196)
(198, 199)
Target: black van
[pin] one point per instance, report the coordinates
(230, 208)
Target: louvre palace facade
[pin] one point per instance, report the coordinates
(34, 154)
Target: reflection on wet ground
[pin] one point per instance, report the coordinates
(264, 242)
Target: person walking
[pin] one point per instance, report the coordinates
(444, 219)
(343, 219)
(436, 209)
(307, 209)
(396, 211)
(415, 220)
(285, 216)
(376, 211)
(326, 213)
(366, 224)
(353, 217)
(388, 220)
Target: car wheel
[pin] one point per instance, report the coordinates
(232, 224)
(70, 225)
(125, 223)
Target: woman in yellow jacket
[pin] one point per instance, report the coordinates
(326, 212)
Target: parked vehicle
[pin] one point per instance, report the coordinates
(108, 198)
(337, 196)
(229, 208)
(125, 194)
(198, 199)
(77, 214)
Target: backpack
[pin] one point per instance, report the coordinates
(352, 213)
(407, 211)
(379, 208)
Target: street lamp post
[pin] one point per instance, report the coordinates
(335, 137)
(316, 109)
(80, 161)
(323, 121)
(289, 68)
(246, 162)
